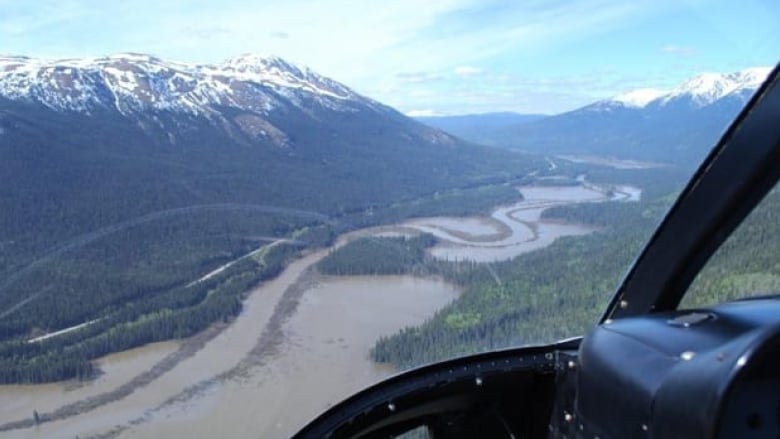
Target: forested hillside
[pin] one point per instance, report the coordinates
(538, 297)
(562, 290)
(135, 283)
(746, 265)
(174, 313)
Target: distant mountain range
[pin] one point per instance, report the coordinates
(252, 99)
(678, 125)
(478, 127)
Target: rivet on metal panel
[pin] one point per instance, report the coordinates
(687, 355)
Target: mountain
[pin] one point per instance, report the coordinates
(250, 117)
(478, 127)
(124, 178)
(134, 83)
(679, 125)
(701, 91)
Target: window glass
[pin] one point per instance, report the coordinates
(747, 264)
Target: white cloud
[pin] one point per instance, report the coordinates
(467, 71)
(674, 49)
(423, 113)
(434, 42)
(19, 19)
(418, 77)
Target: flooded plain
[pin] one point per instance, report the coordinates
(301, 343)
(18, 402)
(324, 359)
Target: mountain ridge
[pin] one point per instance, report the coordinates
(703, 89)
(132, 83)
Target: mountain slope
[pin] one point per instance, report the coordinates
(273, 130)
(680, 125)
(124, 179)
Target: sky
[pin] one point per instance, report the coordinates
(422, 57)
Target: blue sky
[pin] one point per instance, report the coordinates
(426, 56)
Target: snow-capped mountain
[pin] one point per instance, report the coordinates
(250, 98)
(130, 134)
(133, 82)
(699, 91)
(677, 125)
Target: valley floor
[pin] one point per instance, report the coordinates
(300, 344)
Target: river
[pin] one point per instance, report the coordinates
(300, 344)
(517, 228)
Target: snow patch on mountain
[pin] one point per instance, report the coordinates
(639, 98)
(699, 91)
(132, 82)
(709, 87)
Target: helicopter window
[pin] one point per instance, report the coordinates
(746, 265)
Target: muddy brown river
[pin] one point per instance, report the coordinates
(240, 385)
